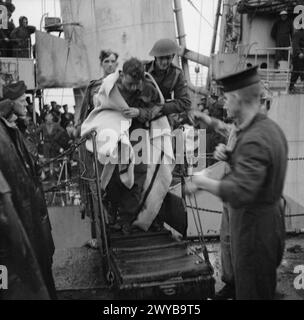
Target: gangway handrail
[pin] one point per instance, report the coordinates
(101, 214)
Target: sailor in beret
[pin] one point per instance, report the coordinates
(252, 189)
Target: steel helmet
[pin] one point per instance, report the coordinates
(164, 47)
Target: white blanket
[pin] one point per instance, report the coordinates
(113, 143)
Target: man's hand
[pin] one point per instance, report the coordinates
(193, 185)
(131, 113)
(301, 55)
(221, 152)
(198, 115)
(190, 188)
(157, 111)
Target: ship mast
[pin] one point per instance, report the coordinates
(186, 54)
(217, 18)
(181, 35)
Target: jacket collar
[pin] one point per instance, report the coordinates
(9, 124)
(152, 68)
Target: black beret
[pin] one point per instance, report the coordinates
(14, 90)
(240, 79)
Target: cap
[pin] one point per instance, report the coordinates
(283, 12)
(164, 47)
(14, 90)
(240, 79)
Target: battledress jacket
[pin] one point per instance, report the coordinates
(19, 172)
(88, 104)
(253, 189)
(173, 86)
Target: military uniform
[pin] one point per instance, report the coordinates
(88, 100)
(128, 200)
(253, 189)
(85, 156)
(173, 87)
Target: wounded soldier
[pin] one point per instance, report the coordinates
(135, 188)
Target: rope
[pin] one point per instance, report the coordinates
(205, 251)
(199, 228)
(42, 8)
(197, 67)
(206, 210)
(200, 233)
(55, 8)
(195, 222)
(197, 10)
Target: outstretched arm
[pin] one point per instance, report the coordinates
(217, 125)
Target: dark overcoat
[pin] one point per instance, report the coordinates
(19, 173)
(253, 190)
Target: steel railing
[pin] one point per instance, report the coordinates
(276, 78)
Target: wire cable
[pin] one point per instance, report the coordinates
(200, 13)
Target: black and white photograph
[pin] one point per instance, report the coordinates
(151, 153)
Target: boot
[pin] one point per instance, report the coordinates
(226, 293)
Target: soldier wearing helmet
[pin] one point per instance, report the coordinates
(169, 77)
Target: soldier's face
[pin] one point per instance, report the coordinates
(232, 104)
(109, 64)
(20, 106)
(164, 62)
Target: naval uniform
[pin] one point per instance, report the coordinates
(253, 189)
